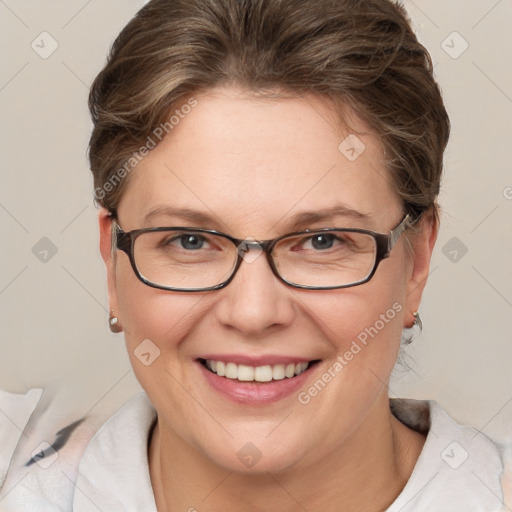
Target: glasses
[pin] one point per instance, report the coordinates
(196, 260)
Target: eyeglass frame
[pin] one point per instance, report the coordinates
(384, 242)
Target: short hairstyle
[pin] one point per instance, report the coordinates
(358, 53)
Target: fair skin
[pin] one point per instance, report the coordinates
(252, 164)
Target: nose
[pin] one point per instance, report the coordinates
(255, 301)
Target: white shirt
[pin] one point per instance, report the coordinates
(459, 468)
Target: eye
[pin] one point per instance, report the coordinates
(323, 241)
(188, 241)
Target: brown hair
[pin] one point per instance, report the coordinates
(358, 53)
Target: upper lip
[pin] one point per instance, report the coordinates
(261, 360)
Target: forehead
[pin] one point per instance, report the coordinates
(253, 163)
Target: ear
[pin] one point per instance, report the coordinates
(105, 224)
(422, 247)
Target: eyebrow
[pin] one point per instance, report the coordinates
(302, 219)
(294, 223)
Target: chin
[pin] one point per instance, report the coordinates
(253, 458)
(240, 446)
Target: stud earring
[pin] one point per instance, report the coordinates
(417, 320)
(408, 333)
(113, 323)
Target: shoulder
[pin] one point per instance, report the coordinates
(459, 468)
(42, 440)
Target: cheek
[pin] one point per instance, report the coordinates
(155, 323)
(367, 338)
(350, 313)
(363, 328)
(147, 313)
(364, 324)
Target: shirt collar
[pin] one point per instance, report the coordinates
(458, 465)
(116, 459)
(15, 413)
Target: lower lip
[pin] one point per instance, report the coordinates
(255, 393)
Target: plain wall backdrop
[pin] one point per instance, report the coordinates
(53, 299)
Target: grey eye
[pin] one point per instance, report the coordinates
(324, 241)
(189, 241)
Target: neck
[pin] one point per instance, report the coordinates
(366, 473)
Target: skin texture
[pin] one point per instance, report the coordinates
(252, 163)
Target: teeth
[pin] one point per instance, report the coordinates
(231, 371)
(264, 373)
(278, 372)
(221, 369)
(245, 373)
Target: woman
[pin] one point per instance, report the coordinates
(267, 173)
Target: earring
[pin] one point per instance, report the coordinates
(113, 323)
(408, 334)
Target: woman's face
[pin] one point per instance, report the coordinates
(251, 166)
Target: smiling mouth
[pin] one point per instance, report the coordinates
(265, 373)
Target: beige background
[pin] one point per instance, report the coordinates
(54, 313)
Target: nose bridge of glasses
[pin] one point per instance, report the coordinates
(243, 249)
(247, 245)
(244, 246)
